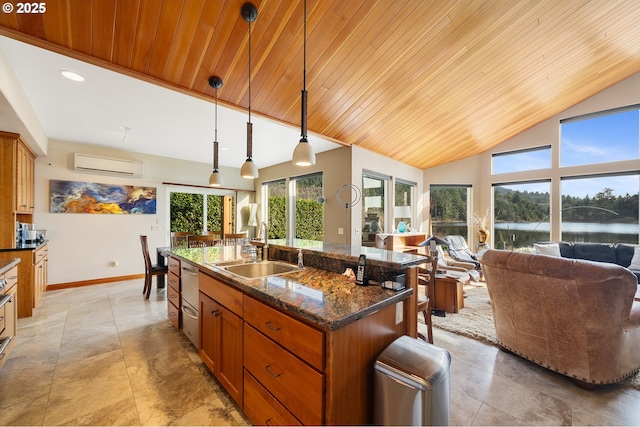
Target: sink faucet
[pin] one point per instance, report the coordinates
(265, 241)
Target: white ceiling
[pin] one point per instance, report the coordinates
(162, 122)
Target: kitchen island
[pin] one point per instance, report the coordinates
(299, 347)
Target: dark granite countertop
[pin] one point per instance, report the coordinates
(24, 246)
(6, 264)
(325, 298)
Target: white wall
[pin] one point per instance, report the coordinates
(83, 246)
(363, 159)
(477, 170)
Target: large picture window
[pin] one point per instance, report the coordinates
(521, 214)
(600, 209)
(449, 210)
(607, 136)
(521, 160)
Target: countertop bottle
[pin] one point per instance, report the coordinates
(300, 260)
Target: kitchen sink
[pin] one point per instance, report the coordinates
(253, 270)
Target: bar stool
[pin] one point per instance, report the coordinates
(150, 269)
(202, 241)
(234, 238)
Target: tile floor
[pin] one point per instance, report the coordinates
(101, 355)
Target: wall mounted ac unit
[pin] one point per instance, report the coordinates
(107, 166)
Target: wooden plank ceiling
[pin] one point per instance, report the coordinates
(424, 82)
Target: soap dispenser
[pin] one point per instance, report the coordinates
(300, 260)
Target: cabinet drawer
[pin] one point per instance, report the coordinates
(174, 266)
(174, 281)
(40, 254)
(174, 314)
(262, 408)
(173, 296)
(10, 278)
(295, 384)
(224, 294)
(301, 339)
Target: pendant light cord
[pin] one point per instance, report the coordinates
(304, 50)
(215, 135)
(303, 95)
(249, 125)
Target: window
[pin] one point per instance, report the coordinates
(600, 209)
(373, 206)
(275, 192)
(607, 136)
(309, 212)
(522, 160)
(521, 214)
(187, 211)
(403, 207)
(449, 210)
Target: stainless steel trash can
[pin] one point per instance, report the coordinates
(411, 384)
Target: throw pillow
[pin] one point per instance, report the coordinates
(552, 249)
(635, 261)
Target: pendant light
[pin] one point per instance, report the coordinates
(249, 169)
(215, 179)
(303, 154)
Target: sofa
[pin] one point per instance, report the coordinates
(621, 253)
(573, 316)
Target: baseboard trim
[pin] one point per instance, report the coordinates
(93, 282)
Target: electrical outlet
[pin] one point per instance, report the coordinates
(340, 231)
(399, 312)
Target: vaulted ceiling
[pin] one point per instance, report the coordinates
(424, 82)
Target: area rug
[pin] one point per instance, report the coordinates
(475, 321)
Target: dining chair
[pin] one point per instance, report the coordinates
(426, 295)
(234, 238)
(179, 238)
(202, 241)
(150, 269)
(216, 233)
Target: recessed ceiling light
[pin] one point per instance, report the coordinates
(72, 76)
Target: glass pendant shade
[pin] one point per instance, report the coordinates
(303, 154)
(249, 170)
(215, 179)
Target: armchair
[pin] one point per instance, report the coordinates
(459, 250)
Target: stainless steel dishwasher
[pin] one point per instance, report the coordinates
(190, 303)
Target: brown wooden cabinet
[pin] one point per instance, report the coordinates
(283, 370)
(16, 186)
(173, 292)
(33, 270)
(221, 333)
(8, 311)
(40, 273)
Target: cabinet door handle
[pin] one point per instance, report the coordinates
(273, 374)
(216, 313)
(5, 299)
(273, 328)
(267, 422)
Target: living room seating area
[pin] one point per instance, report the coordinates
(573, 316)
(623, 254)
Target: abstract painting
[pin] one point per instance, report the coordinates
(88, 197)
